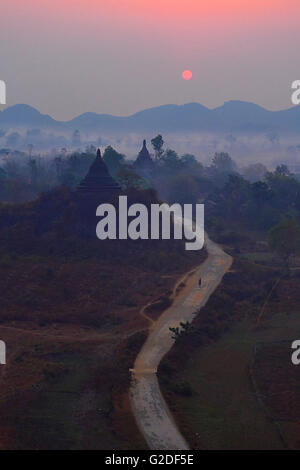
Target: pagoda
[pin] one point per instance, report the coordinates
(143, 161)
(98, 181)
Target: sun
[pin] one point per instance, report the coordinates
(187, 75)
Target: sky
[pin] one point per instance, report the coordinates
(66, 57)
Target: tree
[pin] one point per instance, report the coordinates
(74, 162)
(113, 160)
(33, 171)
(171, 160)
(177, 333)
(189, 162)
(255, 172)
(285, 189)
(157, 144)
(284, 239)
(261, 193)
(223, 163)
(282, 170)
(128, 178)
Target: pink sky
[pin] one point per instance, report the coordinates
(118, 56)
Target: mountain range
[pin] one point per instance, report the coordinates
(231, 117)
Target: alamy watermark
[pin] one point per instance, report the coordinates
(296, 354)
(2, 92)
(296, 94)
(2, 352)
(156, 225)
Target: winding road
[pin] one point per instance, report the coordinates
(150, 409)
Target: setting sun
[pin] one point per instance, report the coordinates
(187, 75)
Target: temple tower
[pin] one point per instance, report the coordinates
(143, 161)
(96, 188)
(98, 181)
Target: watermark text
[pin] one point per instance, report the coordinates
(2, 92)
(296, 93)
(296, 353)
(188, 222)
(2, 352)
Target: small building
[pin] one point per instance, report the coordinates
(98, 181)
(96, 188)
(144, 160)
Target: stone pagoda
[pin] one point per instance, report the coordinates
(144, 161)
(98, 181)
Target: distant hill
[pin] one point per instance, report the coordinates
(23, 115)
(232, 116)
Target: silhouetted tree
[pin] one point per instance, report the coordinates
(223, 163)
(113, 160)
(128, 178)
(284, 239)
(157, 144)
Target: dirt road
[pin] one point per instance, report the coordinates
(150, 409)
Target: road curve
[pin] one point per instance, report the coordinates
(149, 407)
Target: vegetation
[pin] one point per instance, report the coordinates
(71, 304)
(284, 239)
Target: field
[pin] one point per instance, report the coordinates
(236, 387)
(71, 319)
(59, 387)
(73, 328)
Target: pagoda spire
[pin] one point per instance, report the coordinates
(144, 160)
(98, 179)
